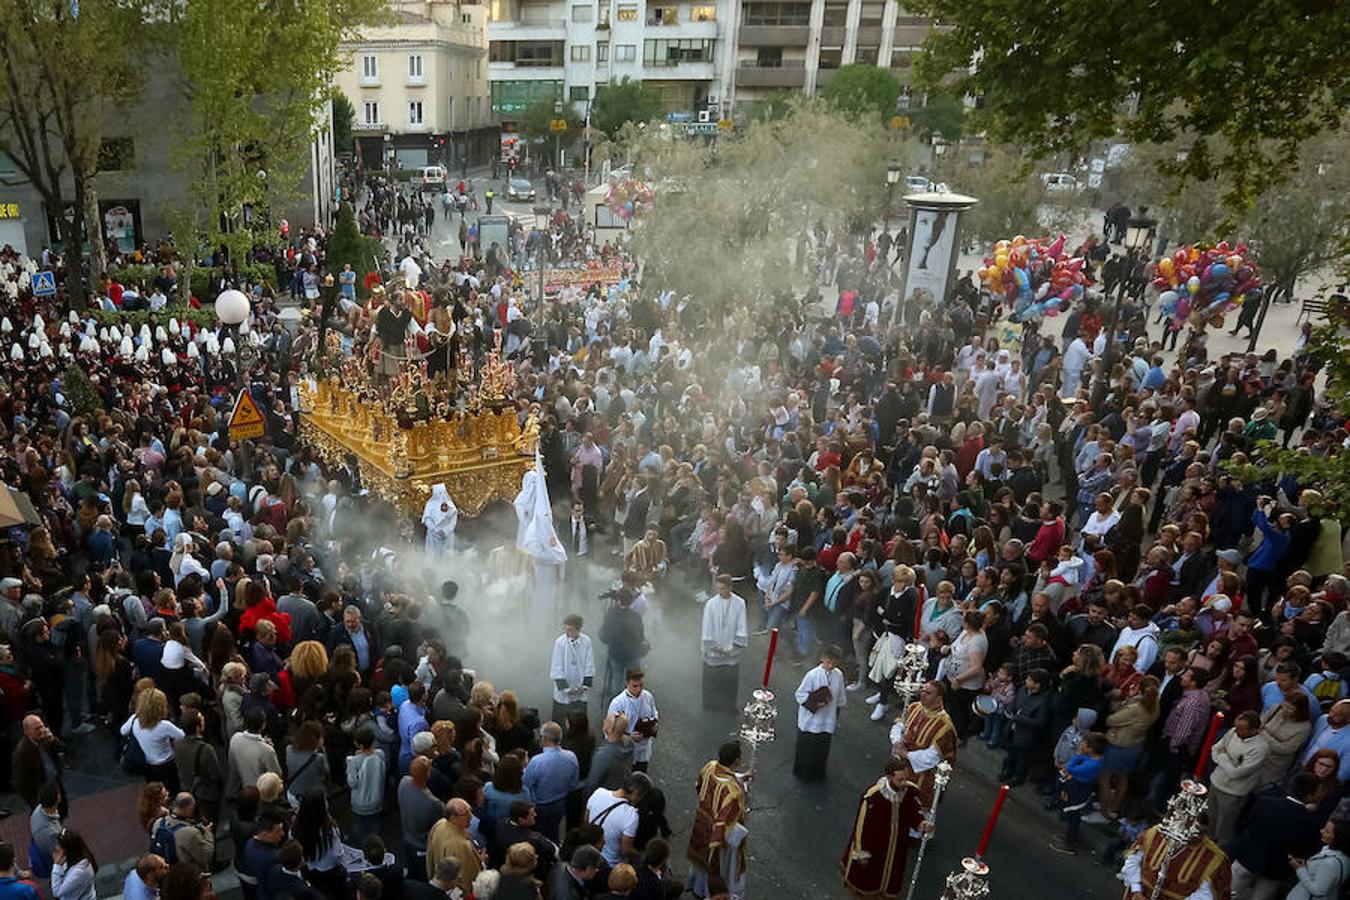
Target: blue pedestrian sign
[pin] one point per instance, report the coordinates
(44, 284)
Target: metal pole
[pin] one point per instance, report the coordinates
(938, 785)
(1260, 319)
(904, 274)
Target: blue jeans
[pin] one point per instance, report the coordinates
(996, 730)
(806, 635)
(774, 616)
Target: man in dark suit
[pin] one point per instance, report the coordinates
(571, 882)
(519, 828)
(1197, 567)
(1277, 826)
(285, 880)
(37, 760)
(575, 531)
(439, 887)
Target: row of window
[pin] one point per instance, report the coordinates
(370, 112)
(655, 52)
(370, 68)
(666, 14)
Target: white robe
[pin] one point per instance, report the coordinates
(573, 662)
(724, 632)
(440, 523)
(643, 706)
(826, 719)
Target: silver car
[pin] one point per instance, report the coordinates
(519, 189)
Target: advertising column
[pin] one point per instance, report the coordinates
(933, 244)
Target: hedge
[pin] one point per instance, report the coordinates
(204, 317)
(144, 276)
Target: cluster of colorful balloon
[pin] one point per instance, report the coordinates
(628, 197)
(1034, 275)
(1197, 285)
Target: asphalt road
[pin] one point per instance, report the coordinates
(797, 831)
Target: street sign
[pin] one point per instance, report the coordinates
(247, 420)
(557, 125)
(44, 284)
(701, 127)
(725, 124)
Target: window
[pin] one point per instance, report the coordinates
(510, 97)
(370, 68)
(778, 14)
(450, 114)
(628, 14)
(625, 52)
(769, 57)
(602, 52)
(662, 15)
(670, 52)
(581, 53)
(414, 67)
(579, 94)
(871, 12)
(583, 13)
(415, 112)
(836, 14)
(866, 55)
(703, 14)
(116, 154)
(526, 53)
(371, 108)
(831, 58)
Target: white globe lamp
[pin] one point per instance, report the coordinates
(232, 307)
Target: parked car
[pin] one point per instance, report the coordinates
(1060, 181)
(917, 183)
(519, 189)
(429, 178)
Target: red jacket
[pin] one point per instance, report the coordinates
(1047, 542)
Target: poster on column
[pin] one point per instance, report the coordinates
(930, 258)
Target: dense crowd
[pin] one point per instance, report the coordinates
(1052, 517)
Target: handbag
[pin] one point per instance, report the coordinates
(817, 699)
(132, 755)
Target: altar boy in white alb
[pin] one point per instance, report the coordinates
(639, 706)
(724, 638)
(572, 669)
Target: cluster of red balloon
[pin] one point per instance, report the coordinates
(1198, 286)
(628, 197)
(1034, 275)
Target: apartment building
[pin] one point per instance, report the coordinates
(562, 50)
(797, 45)
(420, 87)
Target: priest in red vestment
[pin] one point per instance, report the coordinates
(889, 820)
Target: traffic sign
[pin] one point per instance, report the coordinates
(701, 127)
(44, 284)
(247, 420)
(557, 125)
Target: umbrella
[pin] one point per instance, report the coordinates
(16, 509)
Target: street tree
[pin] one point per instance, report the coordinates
(1013, 197)
(862, 90)
(1244, 96)
(257, 91)
(731, 214)
(536, 126)
(66, 70)
(344, 115)
(942, 113)
(618, 103)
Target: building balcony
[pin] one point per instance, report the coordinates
(509, 71)
(833, 36)
(370, 81)
(791, 73)
(869, 35)
(416, 81)
(691, 70)
(910, 35)
(417, 128)
(775, 35)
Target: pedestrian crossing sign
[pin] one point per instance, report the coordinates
(247, 420)
(44, 284)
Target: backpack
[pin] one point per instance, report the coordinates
(162, 840)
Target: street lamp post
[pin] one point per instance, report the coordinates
(542, 216)
(232, 308)
(892, 179)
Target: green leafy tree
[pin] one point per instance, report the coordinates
(730, 216)
(1246, 95)
(943, 114)
(80, 393)
(257, 85)
(1013, 198)
(535, 126)
(344, 114)
(347, 246)
(619, 103)
(64, 73)
(860, 89)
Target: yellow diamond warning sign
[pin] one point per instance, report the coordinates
(247, 420)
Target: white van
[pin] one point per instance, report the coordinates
(429, 178)
(1060, 181)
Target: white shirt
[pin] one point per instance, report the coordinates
(724, 631)
(1099, 525)
(826, 719)
(157, 743)
(643, 706)
(177, 655)
(573, 662)
(618, 820)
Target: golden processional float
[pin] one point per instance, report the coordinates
(412, 431)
